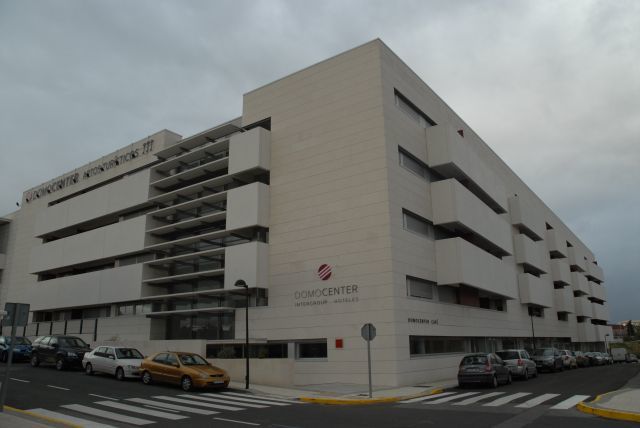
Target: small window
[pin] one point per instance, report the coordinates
(311, 350)
(413, 112)
(101, 350)
(172, 360)
(109, 352)
(563, 316)
(420, 288)
(414, 165)
(160, 358)
(417, 224)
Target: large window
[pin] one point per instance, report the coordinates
(424, 345)
(413, 112)
(417, 224)
(311, 349)
(232, 351)
(420, 288)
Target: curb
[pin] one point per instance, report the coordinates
(42, 417)
(608, 413)
(360, 401)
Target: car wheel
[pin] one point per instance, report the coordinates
(494, 382)
(4, 357)
(526, 374)
(88, 369)
(119, 373)
(35, 361)
(146, 378)
(59, 364)
(186, 383)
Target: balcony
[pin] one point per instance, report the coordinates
(564, 300)
(530, 253)
(459, 262)
(594, 272)
(451, 156)
(556, 244)
(210, 135)
(456, 208)
(526, 218)
(584, 308)
(587, 332)
(597, 291)
(579, 283)
(600, 312)
(560, 273)
(576, 259)
(535, 291)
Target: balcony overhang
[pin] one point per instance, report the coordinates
(183, 277)
(187, 312)
(190, 174)
(189, 224)
(197, 140)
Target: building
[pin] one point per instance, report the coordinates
(346, 193)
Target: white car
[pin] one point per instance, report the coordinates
(115, 360)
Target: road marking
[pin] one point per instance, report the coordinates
(507, 399)
(570, 402)
(279, 400)
(104, 396)
(248, 400)
(19, 380)
(107, 415)
(537, 400)
(78, 421)
(428, 397)
(142, 410)
(172, 406)
(197, 403)
(238, 422)
(476, 399)
(160, 408)
(217, 400)
(451, 398)
(58, 387)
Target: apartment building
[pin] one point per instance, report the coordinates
(346, 193)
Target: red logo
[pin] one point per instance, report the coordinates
(324, 272)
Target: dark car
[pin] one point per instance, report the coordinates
(548, 359)
(582, 359)
(63, 351)
(483, 368)
(21, 348)
(595, 359)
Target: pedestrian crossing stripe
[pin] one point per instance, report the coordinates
(537, 400)
(162, 404)
(570, 402)
(258, 399)
(451, 398)
(219, 401)
(142, 410)
(427, 397)
(499, 399)
(477, 398)
(509, 398)
(277, 400)
(71, 419)
(107, 415)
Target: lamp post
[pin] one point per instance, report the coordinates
(533, 332)
(242, 284)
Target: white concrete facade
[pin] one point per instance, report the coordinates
(346, 193)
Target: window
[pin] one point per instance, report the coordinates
(448, 294)
(160, 358)
(417, 224)
(424, 345)
(535, 311)
(270, 350)
(171, 360)
(420, 288)
(311, 350)
(563, 316)
(413, 164)
(413, 112)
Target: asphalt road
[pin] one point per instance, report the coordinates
(72, 393)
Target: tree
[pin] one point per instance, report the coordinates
(631, 331)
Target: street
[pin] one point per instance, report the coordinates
(101, 401)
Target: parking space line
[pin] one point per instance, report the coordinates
(476, 399)
(507, 399)
(570, 402)
(142, 410)
(426, 397)
(107, 415)
(104, 396)
(58, 387)
(19, 380)
(451, 398)
(238, 422)
(537, 400)
(163, 405)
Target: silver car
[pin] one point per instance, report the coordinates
(519, 363)
(115, 360)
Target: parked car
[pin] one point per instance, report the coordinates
(595, 359)
(568, 360)
(519, 362)
(483, 368)
(114, 360)
(548, 359)
(21, 348)
(632, 358)
(608, 359)
(581, 359)
(63, 351)
(186, 369)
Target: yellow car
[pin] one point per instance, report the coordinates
(186, 369)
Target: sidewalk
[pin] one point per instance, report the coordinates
(622, 404)
(341, 393)
(15, 418)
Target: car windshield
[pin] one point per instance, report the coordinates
(129, 353)
(192, 360)
(508, 355)
(19, 340)
(474, 359)
(72, 342)
(543, 352)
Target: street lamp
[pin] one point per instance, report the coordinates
(533, 331)
(242, 284)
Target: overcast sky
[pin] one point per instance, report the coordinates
(553, 87)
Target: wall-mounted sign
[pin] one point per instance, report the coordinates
(422, 321)
(324, 272)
